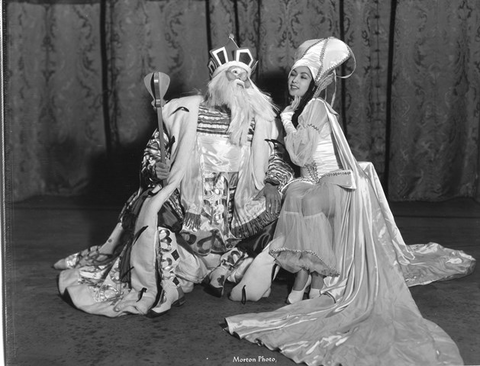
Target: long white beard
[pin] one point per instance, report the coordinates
(245, 101)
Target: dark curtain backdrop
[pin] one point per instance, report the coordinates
(78, 114)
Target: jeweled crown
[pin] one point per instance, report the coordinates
(230, 55)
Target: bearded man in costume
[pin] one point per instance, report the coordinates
(220, 197)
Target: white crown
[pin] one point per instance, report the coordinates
(230, 55)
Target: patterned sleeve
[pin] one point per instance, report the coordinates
(280, 168)
(302, 142)
(152, 155)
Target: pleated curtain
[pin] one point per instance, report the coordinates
(77, 113)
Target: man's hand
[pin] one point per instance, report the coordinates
(273, 199)
(162, 170)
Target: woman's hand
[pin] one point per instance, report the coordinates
(162, 170)
(287, 115)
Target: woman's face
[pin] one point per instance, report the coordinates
(298, 81)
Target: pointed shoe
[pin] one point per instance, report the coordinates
(168, 298)
(215, 281)
(212, 290)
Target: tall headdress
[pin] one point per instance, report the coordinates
(322, 57)
(230, 55)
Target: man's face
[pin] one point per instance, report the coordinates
(238, 75)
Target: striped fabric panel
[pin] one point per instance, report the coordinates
(216, 122)
(212, 122)
(279, 170)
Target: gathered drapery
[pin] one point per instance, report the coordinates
(78, 114)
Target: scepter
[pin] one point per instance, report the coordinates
(157, 84)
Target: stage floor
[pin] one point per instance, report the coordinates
(42, 329)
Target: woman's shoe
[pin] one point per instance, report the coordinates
(297, 295)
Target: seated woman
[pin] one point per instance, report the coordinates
(337, 231)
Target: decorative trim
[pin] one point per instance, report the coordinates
(329, 272)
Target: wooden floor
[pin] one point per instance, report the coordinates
(42, 329)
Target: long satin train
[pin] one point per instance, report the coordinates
(374, 319)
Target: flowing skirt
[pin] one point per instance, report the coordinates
(308, 228)
(369, 317)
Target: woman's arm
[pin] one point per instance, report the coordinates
(302, 141)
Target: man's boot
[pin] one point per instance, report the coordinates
(171, 293)
(257, 280)
(215, 281)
